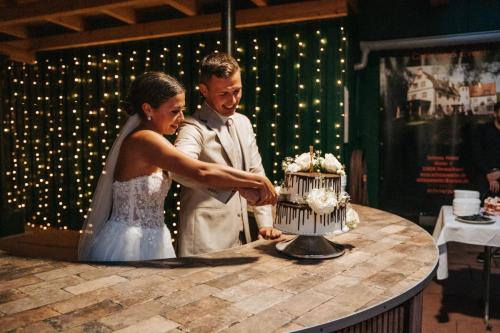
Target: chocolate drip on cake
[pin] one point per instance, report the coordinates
(299, 216)
(315, 222)
(305, 182)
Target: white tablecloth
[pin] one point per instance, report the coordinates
(447, 229)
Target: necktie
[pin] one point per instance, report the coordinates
(236, 143)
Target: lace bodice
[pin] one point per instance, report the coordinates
(139, 201)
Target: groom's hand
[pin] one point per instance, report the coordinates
(257, 197)
(252, 195)
(267, 193)
(269, 233)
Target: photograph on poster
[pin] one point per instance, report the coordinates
(431, 106)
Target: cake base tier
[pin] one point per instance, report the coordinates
(310, 247)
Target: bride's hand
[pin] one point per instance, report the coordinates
(268, 195)
(252, 195)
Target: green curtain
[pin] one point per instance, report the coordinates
(61, 115)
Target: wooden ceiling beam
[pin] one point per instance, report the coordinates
(15, 30)
(188, 7)
(156, 29)
(260, 3)
(75, 23)
(18, 54)
(57, 8)
(290, 13)
(126, 15)
(296, 12)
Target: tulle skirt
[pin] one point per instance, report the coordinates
(118, 241)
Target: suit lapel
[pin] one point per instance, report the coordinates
(214, 122)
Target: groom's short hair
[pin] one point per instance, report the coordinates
(220, 64)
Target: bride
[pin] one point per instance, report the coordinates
(135, 179)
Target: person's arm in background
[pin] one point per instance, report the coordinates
(493, 177)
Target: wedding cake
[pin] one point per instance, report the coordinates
(312, 202)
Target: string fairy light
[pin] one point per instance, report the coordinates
(177, 189)
(301, 105)
(163, 54)
(200, 50)
(62, 199)
(276, 163)
(255, 73)
(340, 90)
(318, 88)
(240, 52)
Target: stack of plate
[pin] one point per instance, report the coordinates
(466, 203)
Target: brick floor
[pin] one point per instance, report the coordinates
(455, 305)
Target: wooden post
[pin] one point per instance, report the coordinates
(228, 26)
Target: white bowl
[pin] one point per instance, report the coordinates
(466, 194)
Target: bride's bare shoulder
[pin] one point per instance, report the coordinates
(143, 136)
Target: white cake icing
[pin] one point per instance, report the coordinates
(295, 216)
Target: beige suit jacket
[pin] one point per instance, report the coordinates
(206, 223)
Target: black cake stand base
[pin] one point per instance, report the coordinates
(310, 247)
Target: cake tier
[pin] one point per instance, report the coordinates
(300, 183)
(299, 219)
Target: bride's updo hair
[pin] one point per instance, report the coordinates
(153, 88)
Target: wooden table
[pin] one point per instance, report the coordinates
(378, 283)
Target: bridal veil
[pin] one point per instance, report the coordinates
(100, 208)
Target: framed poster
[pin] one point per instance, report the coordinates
(431, 105)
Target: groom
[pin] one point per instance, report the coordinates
(217, 133)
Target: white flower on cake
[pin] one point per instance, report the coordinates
(331, 164)
(322, 201)
(302, 163)
(352, 218)
(293, 167)
(343, 199)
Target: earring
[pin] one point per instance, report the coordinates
(149, 118)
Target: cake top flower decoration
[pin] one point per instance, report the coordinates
(313, 162)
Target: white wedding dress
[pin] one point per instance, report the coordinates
(136, 229)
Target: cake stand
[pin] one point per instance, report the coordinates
(310, 247)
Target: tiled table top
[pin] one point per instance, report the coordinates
(248, 289)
